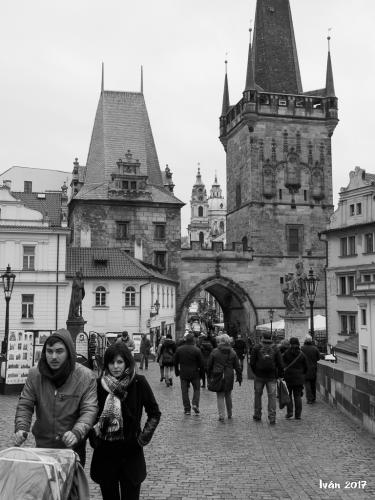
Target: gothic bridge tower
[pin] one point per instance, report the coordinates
(277, 140)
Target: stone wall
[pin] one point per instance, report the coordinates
(351, 391)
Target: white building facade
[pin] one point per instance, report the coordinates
(351, 270)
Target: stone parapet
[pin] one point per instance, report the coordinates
(350, 391)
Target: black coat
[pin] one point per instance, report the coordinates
(295, 375)
(224, 358)
(170, 346)
(313, 356)
(112, 459)
(188, 362)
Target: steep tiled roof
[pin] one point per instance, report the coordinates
(349, 345)
(107, 263)
(49, 206)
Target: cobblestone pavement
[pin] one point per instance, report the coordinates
(197, 457)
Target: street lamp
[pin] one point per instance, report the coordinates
(270, 312)
(8, 282)
(155, 309)
(311, 287)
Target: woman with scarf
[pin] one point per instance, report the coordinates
(118, 464)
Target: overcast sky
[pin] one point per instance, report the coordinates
(51, 54)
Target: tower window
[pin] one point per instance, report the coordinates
(122, 230)
(359, 208)
(200, 211)
(201, 238)
(294, 239)
(305, 195)
(159, 231)
(160, 260)
(238, 195)
(280, 194)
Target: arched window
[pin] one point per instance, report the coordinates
(221, 225)
(100, 296)
(130, 296)
(244, 243)
(200, 211)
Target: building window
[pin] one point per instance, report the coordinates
(238, 195)
(159, 231)
(201, 238)
(342, 288)
(352, 210)
(130, 296)
(280, 194)
(294, 239)
(244, 243)
(133, 185)
(369, 243)
(346, 285)
(28, 258)
(160, 260)
(27, 187)
(122, 230)
(347, 246)
(364, 359)
(352, 249)
(125, 185)
(100, 296)
(363, 317)
(305, 195)
(27, 306)
(343, 247)
(200, 211)
(359, 208)
(348, 324)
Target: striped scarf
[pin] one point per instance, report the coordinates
(111, 425)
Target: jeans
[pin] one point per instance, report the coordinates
(110, 490)
(259, 384)
(185, 393)
(310, 387)
(224, 399)
(144, 358)
(295, 392)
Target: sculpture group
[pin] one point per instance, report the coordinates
(294, 290)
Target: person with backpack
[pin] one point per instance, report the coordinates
(223, 362)
(167, 351)
(206, 347)
(266, 364)
(294, 374)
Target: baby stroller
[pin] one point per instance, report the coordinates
(41, 474)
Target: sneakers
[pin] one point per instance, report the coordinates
(255, 417)
(196, 409)
(187, 412)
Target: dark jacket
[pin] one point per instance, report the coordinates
(295, 375)
(170, 346)
(240, 348)
(188, 361)
(313, 356)
(224, 358)
(70, 407)
(206, 348)
(145, 346)
(112, 459)
(254, 362)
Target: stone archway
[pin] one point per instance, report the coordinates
(234, 301)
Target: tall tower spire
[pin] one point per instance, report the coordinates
(141, 79)
(275, 53)
(330, 88)
(226, 104)
(102, 86)
(250, 80)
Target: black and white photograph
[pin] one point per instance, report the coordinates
(187, 207)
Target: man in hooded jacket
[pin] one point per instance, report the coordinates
(64, 396)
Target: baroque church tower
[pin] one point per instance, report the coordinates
(198, 229)
(277, 140)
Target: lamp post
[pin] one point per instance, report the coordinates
(311, 287)
(270, 312)
(8, 282)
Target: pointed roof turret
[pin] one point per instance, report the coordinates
(226, 104)
(275, 53)
(199, 177)
(250, 80)
(330, 87)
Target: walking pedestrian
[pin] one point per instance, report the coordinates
(127, 340)
(312, 356)
(240, 348)
(266, 364)
(144, 350)
(167, 351)
(158, 357)
(294, 375)
(118, 463)
(188, 362)
(63, 394)
(284, 346)
(206, 348)
(224, 360)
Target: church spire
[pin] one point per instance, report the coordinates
(250, 80)
(226, 104)
(102, 85)
(141, 79)
(275, 53)
(330, 88)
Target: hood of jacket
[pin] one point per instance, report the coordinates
(65, 337)
(224, 348)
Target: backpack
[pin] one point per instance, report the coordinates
(167, 356)
(266, 359)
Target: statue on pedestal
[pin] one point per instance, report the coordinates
(294, 290)
(78, 293)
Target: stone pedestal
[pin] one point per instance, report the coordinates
(75, 326)
(296, 325)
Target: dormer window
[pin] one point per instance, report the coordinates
(99, 262)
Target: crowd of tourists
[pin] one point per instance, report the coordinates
(72, 404)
